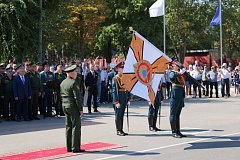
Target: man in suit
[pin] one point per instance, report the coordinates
(72, 108)
(22, 93)
(91, 85)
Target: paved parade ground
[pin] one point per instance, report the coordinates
(211, 126)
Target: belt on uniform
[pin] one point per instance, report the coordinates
(178, 85)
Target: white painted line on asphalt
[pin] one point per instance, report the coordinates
(168, 146)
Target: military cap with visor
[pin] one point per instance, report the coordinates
(71, 68)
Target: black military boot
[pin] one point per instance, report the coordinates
(119, 128)
(178, 129)
(155, 124)
(122, 128)
(150, 122)
(174, 131)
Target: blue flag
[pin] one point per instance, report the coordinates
(217, 17)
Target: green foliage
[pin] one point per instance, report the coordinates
(17, 27)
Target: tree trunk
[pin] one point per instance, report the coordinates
(109, 53)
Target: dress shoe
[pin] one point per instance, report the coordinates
(90, 112)
(176, 135)
(156, 129)
(125, 133)
(152, 129)
(181, 134)
(79, 151)
(120, 133)
(95, 110)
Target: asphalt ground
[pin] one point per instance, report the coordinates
(211, 126)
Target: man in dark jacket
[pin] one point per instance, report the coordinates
(22, 92)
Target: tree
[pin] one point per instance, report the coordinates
(18, 27)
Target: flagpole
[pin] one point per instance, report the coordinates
(221, 44)
(164, 27)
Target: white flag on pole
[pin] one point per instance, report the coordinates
(157, 9)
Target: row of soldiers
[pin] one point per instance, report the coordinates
(44, 89)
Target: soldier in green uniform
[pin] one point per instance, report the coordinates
(59, 76)
(1, 89)
(121, 98)
(7, 82)
(73, 109)
(177, 98)
(35, 83)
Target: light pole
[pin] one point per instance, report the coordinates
(40, 33)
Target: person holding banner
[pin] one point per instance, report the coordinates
(153, 110)
(121, 99)
(177, 97)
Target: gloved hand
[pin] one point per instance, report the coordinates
(128, 103)
(117, 105)
(149, 102)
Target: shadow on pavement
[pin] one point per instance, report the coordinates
(234, 142)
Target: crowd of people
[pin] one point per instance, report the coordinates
(212, 78)
(31, 89)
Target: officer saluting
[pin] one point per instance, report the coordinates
(177, 98)
(120, 98)
(72, 108)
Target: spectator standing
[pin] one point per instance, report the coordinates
(98, 71)
(8, 95)
(22, 93)
(205, 81)
(91, 86)
(213, 76)
(196, 74)
(46, 78)
(103, 85)
(225, 79)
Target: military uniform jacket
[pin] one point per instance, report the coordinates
(1, 83)
(59, 77)
(177, 78)
(7, 86)
(35, 81)
(118, 86)
(70, 93)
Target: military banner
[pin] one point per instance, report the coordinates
(144, 68)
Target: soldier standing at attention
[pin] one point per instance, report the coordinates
(72, 108)
(177, 98)
(1, 89)
(59, 76)
(35, 83)
(153, 110)
(7, 82)
(120, 98)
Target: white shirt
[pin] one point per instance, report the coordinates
(103, 75)
(225, 74)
